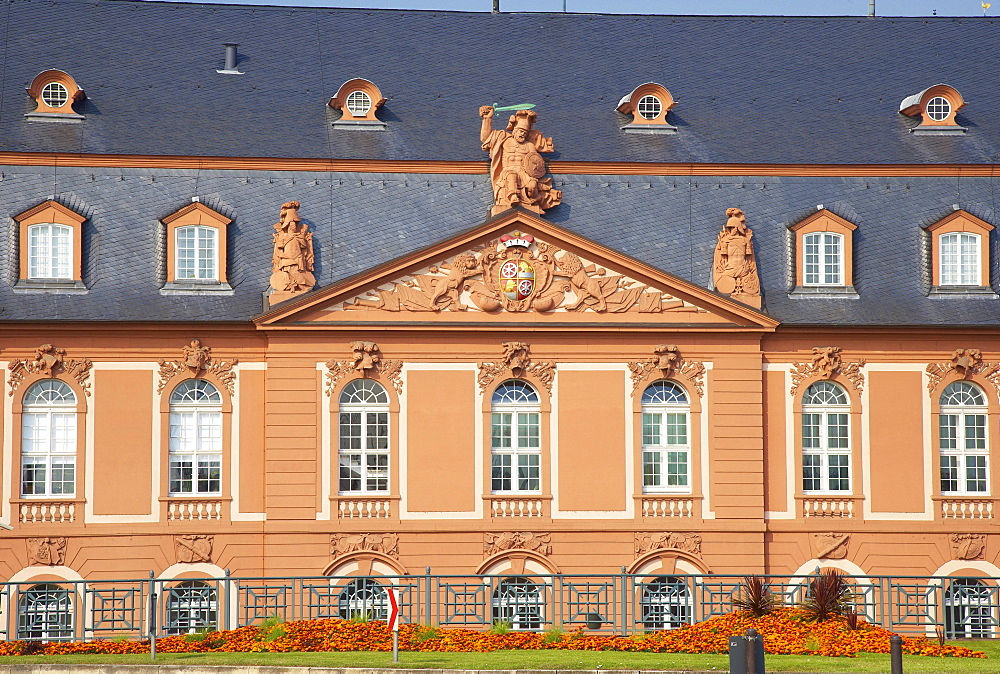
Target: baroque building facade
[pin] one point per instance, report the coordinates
(290, 336)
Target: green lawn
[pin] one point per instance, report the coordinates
(564, 660)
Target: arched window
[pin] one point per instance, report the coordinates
(197, 253)
(666, 443)
(960, 259)
(195, 439)
(365, 599)
(823, 259)
(826, 443)
(665, 603)
(969, 609)
(45, 613)
(189, 606)
(48, 440)
(50, 251)
(964, 453)
(519, 602)
(364, 438)
(515, 438)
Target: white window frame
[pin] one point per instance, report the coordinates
(960, 258)
(649, 107)
(957, 416)
(938, 108)
(196, 438)
(49, 439)
(50, 251)
(358, 103)
(368, 458)
(520, 423)
(202, 256)
(822, 259)
(830, 415)
(665, 398)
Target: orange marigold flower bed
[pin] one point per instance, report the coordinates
(785, 632)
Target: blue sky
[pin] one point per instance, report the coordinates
(776, 7)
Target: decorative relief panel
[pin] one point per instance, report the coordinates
(683, 542)
(366, 358)
(964, 363)
(968, 546)
(50, 361)
(826, 363)
(667, 362)
(47, 551)
(193, 548)
(516, 540)
(197, 360)
(830, 545)
(517, 169)
(517, 273)
(343, 544)
(516, 362)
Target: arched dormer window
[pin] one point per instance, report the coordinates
(55, 92)
(358, 99)
(666, 438)
(364, 438)
(936, 107)
(48, 440)
(963, 430)
(826, 442)
(515, 438)
(195, 439)
(648, 104)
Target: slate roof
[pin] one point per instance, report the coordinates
(750, 89)
(363, 220)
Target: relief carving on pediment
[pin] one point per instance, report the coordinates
(827, 362)
(196, 360)
(518, 273)
(50, 361)
(667, 362)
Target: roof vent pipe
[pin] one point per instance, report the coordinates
(496, 6)
(871, 9)
(230, 55)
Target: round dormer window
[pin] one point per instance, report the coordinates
(358, 103)
(55, 95)
(938, 108)
(649, 107)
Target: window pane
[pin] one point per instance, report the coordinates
(378, 472)
(650, 429)
(811, 477)
(975, 474)
(209, 475)
(350, 472)
(651, 469)
(831, 259)
(528, 473)
(839, 478)
(527, 430)
(810, 431)
(676, 429)
(501, 430)
(677, 469)
(181, 475)
(350, 430)
(501, 473)
(811, 259)
(837, 431)
(33, 475)
(975, 431)
(948, 425)
(949, 474)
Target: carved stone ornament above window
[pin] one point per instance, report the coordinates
(735, 264)
(50, 361)
(345, 544)
(827, 363)
(965, 363)
(193, 548)
(667, 362)
(516, 540)
(366, 358)
(683, 542)
(47, 551)
(830, 545)
(517, 169)
(517, 273)
(197, 360)
(516, 362)
(968, 546)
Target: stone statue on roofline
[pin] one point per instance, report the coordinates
(735, 265)
(517, 169)
(292, 260)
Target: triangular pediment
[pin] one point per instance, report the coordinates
(516, 268)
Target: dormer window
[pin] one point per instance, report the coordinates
(196, 251)
(55, 92)
(936, 107)
(648, 104)
(359, 100)
(823, 256)
(50, 240)
(960, 256)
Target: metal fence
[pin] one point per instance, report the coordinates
(619, 603)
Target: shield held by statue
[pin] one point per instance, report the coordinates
(517, 279)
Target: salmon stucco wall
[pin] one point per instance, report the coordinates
(123, 429)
